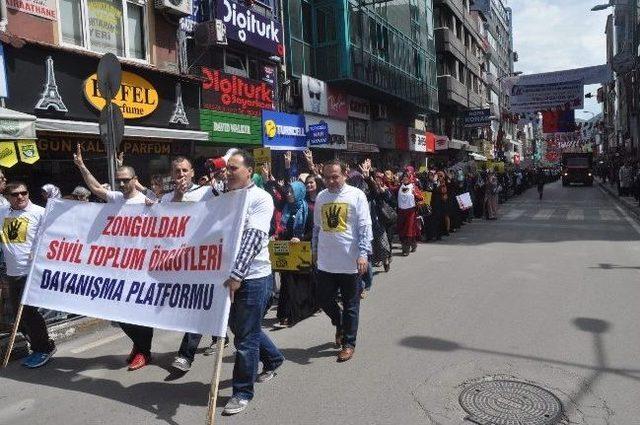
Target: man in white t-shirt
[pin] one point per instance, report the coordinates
(250, 285)
(21, 221)
(341, 244)
(126, 181)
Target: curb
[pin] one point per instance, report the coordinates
(629, 207)
(60, 332)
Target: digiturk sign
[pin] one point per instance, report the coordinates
(250, 28)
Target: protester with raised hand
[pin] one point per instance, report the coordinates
(341, 245)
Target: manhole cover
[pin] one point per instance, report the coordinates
(510, 403)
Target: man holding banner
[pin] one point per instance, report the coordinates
(21, 222)
(126, 179)
(250, 286)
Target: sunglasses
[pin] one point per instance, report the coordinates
(314, 94)
(125, 181)
(16, 194)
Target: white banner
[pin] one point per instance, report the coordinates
(162, 266)
(314, 95)
(464, 201)
(547, 97)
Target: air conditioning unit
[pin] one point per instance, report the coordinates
(176, 7)
(210, 33)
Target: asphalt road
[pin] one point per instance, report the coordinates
(548, 294)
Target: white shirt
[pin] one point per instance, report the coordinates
(19, 231)
(259, 213)
(339, 217)
(194, 194)
(115, 197)
(3, 201)
(406, 198)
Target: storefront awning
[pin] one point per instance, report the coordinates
(458, 144)
(471, 148)
(477, 156)
(362, 147)
(84, 127)
(16, 125)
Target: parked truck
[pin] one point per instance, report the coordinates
(577, 167)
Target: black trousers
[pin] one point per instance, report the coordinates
(140, 335)
(32, 324)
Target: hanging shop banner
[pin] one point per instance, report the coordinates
(8, 157)
(385, 134)
(44, 8)
(558, 121)
(282, 131)
(290, 256)
(224, 127)
(547, 97)
(337, 103)
(314, 95)
(136, 98)
(477, 118)
(28, 150)
(431, 142)
(250, 28)
(402, 137)
(359, 108)
(417, 140)
(162, 267)
(337, 129)
(262, 156)
(16, 128)
(188, 23)
(231, 93)
(442, 143)
(318, 134)
(599, 74)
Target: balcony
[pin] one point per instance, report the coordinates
(451, 90)
(446, 41)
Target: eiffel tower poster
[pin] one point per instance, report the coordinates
(179, 115)
(50, 97)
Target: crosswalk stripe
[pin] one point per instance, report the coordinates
(575, 214)
(609, 215)
(513, 214)
(543, 214)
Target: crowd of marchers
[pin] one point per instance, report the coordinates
(353, 215)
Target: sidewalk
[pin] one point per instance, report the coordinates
(627, 202)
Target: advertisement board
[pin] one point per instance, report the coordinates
(282, 131)
(224, 127)
(546, 97)
(359, 108)
(250, 28)
(231, 93)
(417, 140)
(337, 131)
(44, 8)
(314, 95)
(337, 103)
(477, 118)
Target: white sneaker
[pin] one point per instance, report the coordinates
(181, 364)
(235, 405)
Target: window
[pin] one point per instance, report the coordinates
(105, 26)
(235, 64)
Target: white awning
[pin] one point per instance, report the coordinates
(85, 127)
(477, 156)
(15, 125)
(458, 144)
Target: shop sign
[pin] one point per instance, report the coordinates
(282, 131)
(417, 140)
(231, 93)
(431, 142)
(477, 118)
(384, 134)
(64, 147)
(43, 8)
(337, 103)
(230, 128)
(402, 137)
(318, 134)
(337, 137)
(359, 108)
(136, 98)
(252, 29)
(314, 95)
(442, 143)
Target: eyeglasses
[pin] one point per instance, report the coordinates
(16, 194)
(314, 94)
(125, 181)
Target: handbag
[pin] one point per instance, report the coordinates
(388, 214)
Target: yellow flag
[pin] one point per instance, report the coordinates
(8, 157)
(28, 151)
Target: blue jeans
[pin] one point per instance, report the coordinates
(189, 346)
(345, 320)
(252, 344)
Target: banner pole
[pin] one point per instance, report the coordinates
(12, 340)
(215, 381)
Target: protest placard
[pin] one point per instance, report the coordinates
(290, 256)
(426, 197)
(262, 155)
(464, 201)
(162, 266)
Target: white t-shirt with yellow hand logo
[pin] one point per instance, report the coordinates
(19, 231)
(340, 216)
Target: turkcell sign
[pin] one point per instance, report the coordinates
(477, 118)
(250, 28)
(282, 131)
(318, 134)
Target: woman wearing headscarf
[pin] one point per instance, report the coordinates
(297, 300)
(491, 196)
(50, 191)
(409, 196)
(444, 195)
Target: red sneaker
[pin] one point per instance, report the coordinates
(131, 355)
(139, 361)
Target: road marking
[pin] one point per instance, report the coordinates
(621, 210)
(543, 214)
(97, 343)
(575, 214)
(513, 214)
(608, 215)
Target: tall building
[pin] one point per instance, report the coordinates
(376, 64)
(499, 62)
(461, 68)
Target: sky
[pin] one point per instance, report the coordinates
(552, 35)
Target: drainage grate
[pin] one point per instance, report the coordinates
(504, 402)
